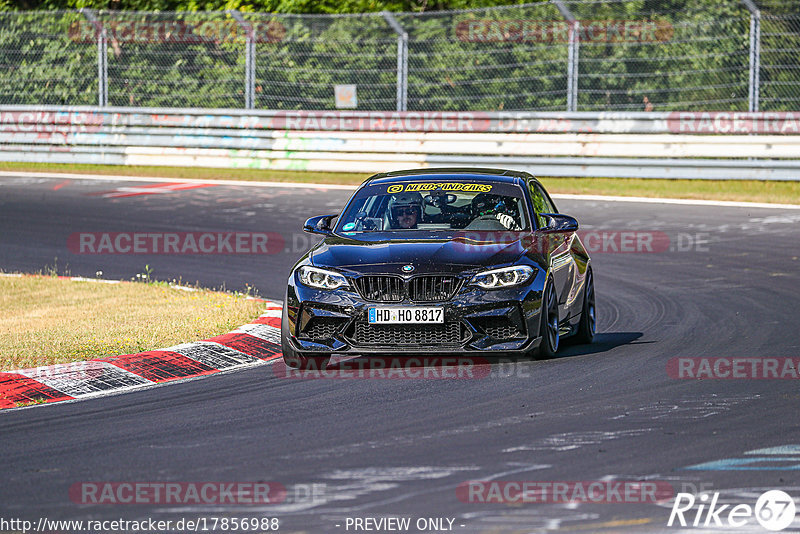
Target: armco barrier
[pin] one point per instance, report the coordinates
(715, 145)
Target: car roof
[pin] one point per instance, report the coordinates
(461, 173)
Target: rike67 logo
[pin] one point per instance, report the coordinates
(774, 510)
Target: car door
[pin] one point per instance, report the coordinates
(557, 248)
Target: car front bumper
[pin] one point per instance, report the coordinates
(475, 321)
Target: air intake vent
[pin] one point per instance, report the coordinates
(499, 328)
(427, 288)
(381, 288)
(449, 334)
(432, 288)
(322, 328)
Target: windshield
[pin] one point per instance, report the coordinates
(435, 205)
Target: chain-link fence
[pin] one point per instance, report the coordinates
(580, 55)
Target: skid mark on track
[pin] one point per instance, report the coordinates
(416, 439)
(687, 409)
(568, 441)
(540, 519)
(354, 484)
(347, 491)
(703, 407)
(149, 189)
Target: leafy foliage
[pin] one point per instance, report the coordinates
(272, 6)
(687, 55)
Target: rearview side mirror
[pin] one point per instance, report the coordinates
(320, 224)
(439, 201)
(557, 223)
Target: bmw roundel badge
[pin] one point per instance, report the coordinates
(408, 268)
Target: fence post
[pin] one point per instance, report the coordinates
(102, 57)
(572, 54)
(249, 60)
(402, 61)
(755, 54)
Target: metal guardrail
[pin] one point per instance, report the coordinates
(714, 145)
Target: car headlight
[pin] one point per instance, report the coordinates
(504, 277)
(320, 278)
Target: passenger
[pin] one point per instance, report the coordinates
(487, 206)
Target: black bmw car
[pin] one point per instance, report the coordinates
(458, 261)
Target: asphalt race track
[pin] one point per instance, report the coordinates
(728, 285)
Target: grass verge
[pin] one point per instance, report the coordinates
(195, 173)
(46, 320)
(735, 190)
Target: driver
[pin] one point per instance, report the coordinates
(405, 210)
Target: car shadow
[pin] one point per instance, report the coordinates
(425, 366)
(602, 343)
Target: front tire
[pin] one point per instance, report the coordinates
(548, 324)
(299, 360)
(588, 322)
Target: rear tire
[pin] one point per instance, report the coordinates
(548, 324)
(588, 323)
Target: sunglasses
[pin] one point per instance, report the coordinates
(405, 212)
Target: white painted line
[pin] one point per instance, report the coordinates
(99, 280)
(684, 201)
(781, 450)
(649, 200)
(184, 288)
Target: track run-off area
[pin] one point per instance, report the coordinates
(688, 388)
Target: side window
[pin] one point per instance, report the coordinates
(541, 203)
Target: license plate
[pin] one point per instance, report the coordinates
(405, 315)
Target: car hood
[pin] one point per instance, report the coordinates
(452, 254)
